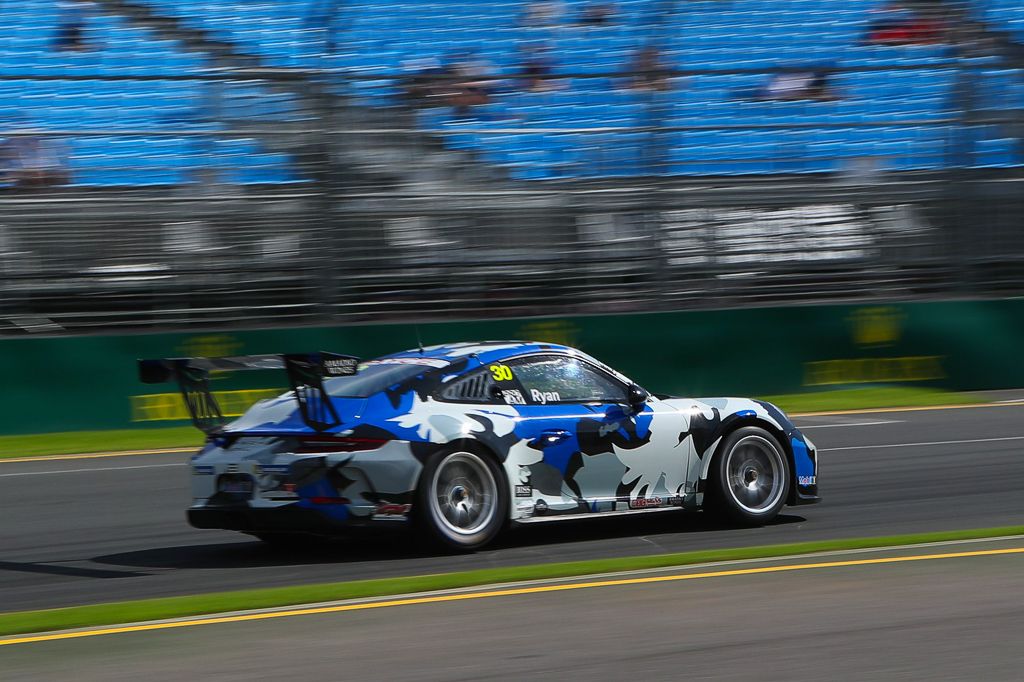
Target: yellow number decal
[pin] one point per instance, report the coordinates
(501, 372)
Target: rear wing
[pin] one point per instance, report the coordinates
(305, 371)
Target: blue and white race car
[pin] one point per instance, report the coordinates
(462, 439)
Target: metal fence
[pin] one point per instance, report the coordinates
(380, 219)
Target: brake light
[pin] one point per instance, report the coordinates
(316, 444)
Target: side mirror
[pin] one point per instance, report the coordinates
(637, 396)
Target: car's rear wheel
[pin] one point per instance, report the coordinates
(462, 499)
(749, 479)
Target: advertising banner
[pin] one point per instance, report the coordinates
(83, 383)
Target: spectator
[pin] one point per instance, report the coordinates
(541, 13)
(471, 69)
(321, 15)
(896, 23)
(71, 20)
(646, 70)
(597, 14)
(820, 87)
(463, 98)
(35, 161)
(422, 79)
(471, 82)
(797, 84)
(536, 68)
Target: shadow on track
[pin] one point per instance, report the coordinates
(532, 543)
(625, 526)
(67, 571)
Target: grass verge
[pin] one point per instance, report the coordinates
(187, 436)
(99, 441)
(868, 398)
(23, 622)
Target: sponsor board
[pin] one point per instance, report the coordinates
(645, 502)
(340, 366)
(874, 370)
(387, 511)
(513, 397)
(170, 406)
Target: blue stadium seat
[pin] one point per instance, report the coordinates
(892, 102)
(75, 103)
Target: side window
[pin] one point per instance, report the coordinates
(494, 383)
(559, 379)
(477, 387)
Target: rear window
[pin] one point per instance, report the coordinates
(373, 377)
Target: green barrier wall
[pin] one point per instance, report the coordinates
(66, 384)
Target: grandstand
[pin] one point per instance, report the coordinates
(1004, 14)
(147, 102)
(131, 108)
(893, 104)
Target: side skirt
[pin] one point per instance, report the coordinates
(596, 515)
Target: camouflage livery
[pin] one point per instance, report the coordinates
(560, 456)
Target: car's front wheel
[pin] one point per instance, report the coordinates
(462, 499)
(749, 478)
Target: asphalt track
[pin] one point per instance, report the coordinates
(951, 614)
(95, 530)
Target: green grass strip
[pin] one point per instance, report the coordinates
(194, 605)
(72, 442)
(869, 398)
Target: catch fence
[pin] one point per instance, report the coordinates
(316, 207)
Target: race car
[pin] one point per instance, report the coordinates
(461, 440)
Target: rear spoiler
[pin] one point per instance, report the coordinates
(305, 371)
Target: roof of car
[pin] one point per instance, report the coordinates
(485, 351)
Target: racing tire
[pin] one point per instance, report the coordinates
(462, 499)
(749, 479)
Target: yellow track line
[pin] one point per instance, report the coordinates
(495, 593)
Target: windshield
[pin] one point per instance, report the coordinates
(373, 377)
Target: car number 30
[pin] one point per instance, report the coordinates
(501, 372)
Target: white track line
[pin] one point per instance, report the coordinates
(97, 455)
(882, 410)
(848, 447)
(795, 415)
(913, 445)
(833, 426)
(80, 471)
